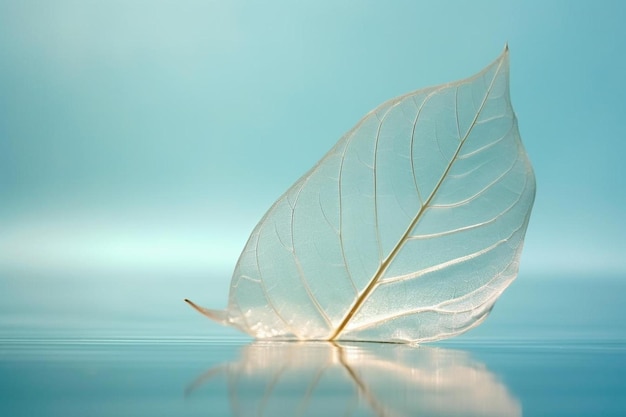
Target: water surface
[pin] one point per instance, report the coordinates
(551, 347)
(237, 378)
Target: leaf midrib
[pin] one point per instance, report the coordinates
(403, 239)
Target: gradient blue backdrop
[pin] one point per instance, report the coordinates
(141, 141)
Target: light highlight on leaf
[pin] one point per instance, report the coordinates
(408, 229)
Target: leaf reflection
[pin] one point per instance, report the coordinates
(349, 379)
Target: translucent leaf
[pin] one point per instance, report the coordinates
(408, 229)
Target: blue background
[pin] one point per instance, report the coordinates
(141, 141)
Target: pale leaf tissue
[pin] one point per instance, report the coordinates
(407, 230)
